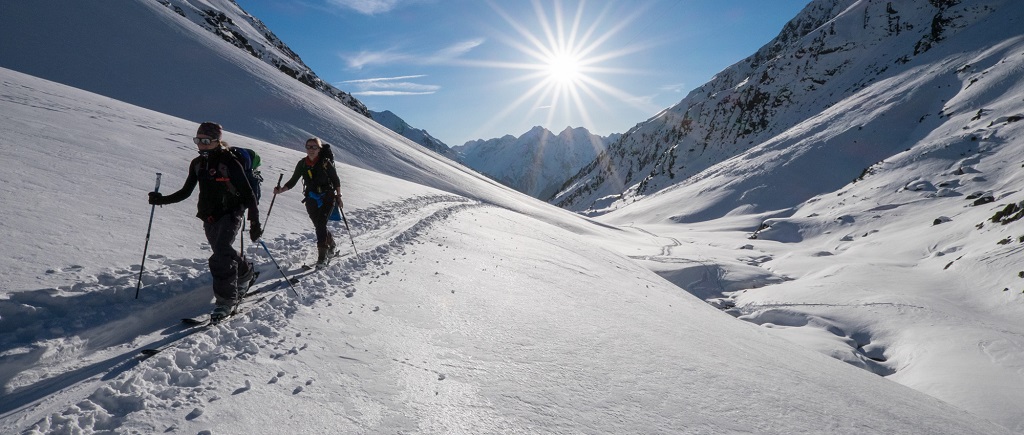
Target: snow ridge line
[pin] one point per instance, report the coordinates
(390, 241)
(183, 367)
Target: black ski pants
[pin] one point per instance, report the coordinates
(226, 265)
(319, 216)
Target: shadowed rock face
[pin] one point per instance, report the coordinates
(828, 53)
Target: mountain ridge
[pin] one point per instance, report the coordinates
(264, 45)
(537, 161)
(831, 50)
(398, 125)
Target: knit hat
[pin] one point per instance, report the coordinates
(211, 129)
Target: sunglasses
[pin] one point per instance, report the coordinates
(204, 141)
(312, 147)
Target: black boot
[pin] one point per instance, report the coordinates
(321, 257)
(332, 251)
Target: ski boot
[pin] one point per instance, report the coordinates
(219, 313)
(246, 281)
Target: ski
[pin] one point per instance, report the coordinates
(150, 351)
(327, 263)
(197, 324)
(205, 318)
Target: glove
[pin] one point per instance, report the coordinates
(156, 198)
(337, 201)
(255, 231)
(279, 190)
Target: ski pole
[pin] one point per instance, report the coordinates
(349, 231)
(152, 210)
(242, 242)
(279, 178)
(288, 280)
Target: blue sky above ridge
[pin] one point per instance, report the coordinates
(470, 69)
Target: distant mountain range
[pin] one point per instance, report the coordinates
(537, 162)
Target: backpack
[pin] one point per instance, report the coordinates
(327, 153)
(250, 164)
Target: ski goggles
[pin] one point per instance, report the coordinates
(204, 141)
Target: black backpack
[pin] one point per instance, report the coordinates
(250, 164)
(327, 153)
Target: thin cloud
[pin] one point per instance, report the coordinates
(361, 59)
(391, 56)
(388, 93)
(391, 86)
(381, 79)
(676, 88)
(458, 49)
(368, 7)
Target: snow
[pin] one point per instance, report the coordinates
(468, 308)
(535, 163)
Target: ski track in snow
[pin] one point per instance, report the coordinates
(79, 344)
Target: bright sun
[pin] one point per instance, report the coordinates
(564, 69)
(567, 55)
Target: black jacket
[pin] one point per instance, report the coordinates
(223, 187)
(319, 177)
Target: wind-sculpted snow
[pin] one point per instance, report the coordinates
(56, 339)
(827, 57)
(470, 308)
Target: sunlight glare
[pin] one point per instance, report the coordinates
(569, 53)
(564, 69)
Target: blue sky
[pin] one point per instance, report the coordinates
(478, 69)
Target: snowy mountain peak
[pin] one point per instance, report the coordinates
(832, 52)
(535, 163)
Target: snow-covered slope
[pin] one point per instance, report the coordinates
(157, 59)
(471, 308)
(454, 316)
(836, 53)
(232, 24)
(537, 162)
(885, 225)
(416, 135)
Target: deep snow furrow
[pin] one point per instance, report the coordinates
(168, 380)
(378, 242)
(370, 223)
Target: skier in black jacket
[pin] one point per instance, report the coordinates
(224, 196)
(321, 192)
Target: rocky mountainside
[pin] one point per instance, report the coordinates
(535, 163)
(829, 53)
(231, 23)
(398, 125)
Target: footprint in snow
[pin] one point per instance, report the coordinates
(72, 268)
(247, 387)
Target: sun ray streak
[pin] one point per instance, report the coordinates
(569, 52)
